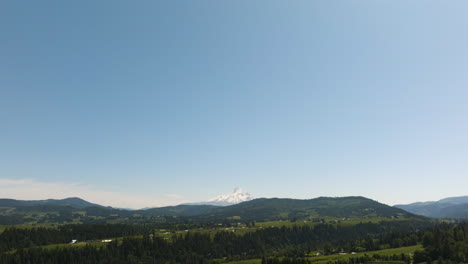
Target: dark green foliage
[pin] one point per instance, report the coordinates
(13, 219)
(73, 202)
(179, 210)
(292, 243)
(444, 243)
(402, 258)
(77, 210)
(285, 261)
(15, 238)
(275, 209)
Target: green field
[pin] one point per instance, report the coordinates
(334, 257)
(328, 220)
(242, 229)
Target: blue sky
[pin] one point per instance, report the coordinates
(151, 103)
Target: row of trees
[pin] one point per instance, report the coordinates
(402, 258)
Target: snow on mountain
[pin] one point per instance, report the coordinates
(237, 196)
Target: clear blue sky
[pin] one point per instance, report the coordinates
(184, 100)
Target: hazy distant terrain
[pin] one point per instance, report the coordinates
(452, 207)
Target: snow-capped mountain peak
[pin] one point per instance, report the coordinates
(237, 196)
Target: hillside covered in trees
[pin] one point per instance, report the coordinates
(75, 210)
(192, 247)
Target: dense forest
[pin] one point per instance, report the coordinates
(400, 258)
(75, 210)
(444, 243)
(16, 238)
(292, 242)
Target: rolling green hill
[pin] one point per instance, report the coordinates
(293, 209)
(179, 210)
(73, 202)
(75, 210)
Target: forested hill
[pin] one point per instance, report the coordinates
(179, 210)
(74, 202)
(294, 209)
(452, 207)
(79, 211)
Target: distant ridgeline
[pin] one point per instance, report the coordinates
(75, 210)
(452, 207)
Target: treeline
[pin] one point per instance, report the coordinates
(14, 219)
(112, 254)
(130, 250)
(285, 261)
(193, 247)
(375, 258)
(17, 238)
(445, 243)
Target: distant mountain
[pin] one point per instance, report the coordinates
(73, 202)
(452, 207)
(455, 200)
(237, 196)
